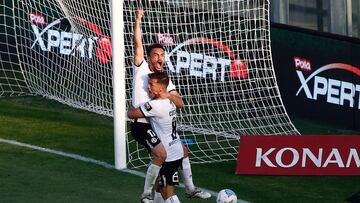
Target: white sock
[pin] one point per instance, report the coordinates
(172, 199)
(150, 178)
(187, 175)
(158, 198)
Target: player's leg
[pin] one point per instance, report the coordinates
(168, 177)
(144, 135)
(168, 192)
(158, 198)
(185, 170)
(159, 154)
(172, 199)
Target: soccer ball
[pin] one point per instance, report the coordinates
(226, 196)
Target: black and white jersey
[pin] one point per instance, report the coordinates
(140, 93)
(162, 116)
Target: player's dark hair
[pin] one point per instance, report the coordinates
(161, 77)
(153, 46)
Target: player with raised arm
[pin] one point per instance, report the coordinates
(141, 129)
(162, 115)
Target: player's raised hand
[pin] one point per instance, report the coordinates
(139, 13)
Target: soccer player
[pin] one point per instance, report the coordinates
(141, 129)
(162, 115)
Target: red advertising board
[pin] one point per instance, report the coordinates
(299, 155)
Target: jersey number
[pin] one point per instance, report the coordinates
(173, 134)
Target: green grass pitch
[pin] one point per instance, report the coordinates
(28, 175)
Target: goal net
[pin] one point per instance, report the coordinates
(218, 55)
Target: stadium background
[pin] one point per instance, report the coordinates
(42, 178)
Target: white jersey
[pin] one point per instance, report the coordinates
(140, 93)
(162, 116)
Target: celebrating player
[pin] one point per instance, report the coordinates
(162, 115)
(141, 129)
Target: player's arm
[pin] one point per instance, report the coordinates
(174, 97)
(138, 46)
(149, 109)
(133, 113)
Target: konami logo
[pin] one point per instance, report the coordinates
(299, 155)
(289, 157)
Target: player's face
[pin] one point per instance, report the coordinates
(154, 88)
(156, 59)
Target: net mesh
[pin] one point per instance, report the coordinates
(218, 55)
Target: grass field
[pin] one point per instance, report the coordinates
(28, 175)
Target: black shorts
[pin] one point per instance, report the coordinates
(168, 174)
(144, 135)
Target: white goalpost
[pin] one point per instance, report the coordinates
(218, 54)
(117, 27)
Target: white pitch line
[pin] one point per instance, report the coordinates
(94, 161)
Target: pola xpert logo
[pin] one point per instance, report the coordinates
(316, 86)
(59, 36)
(190, 57)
